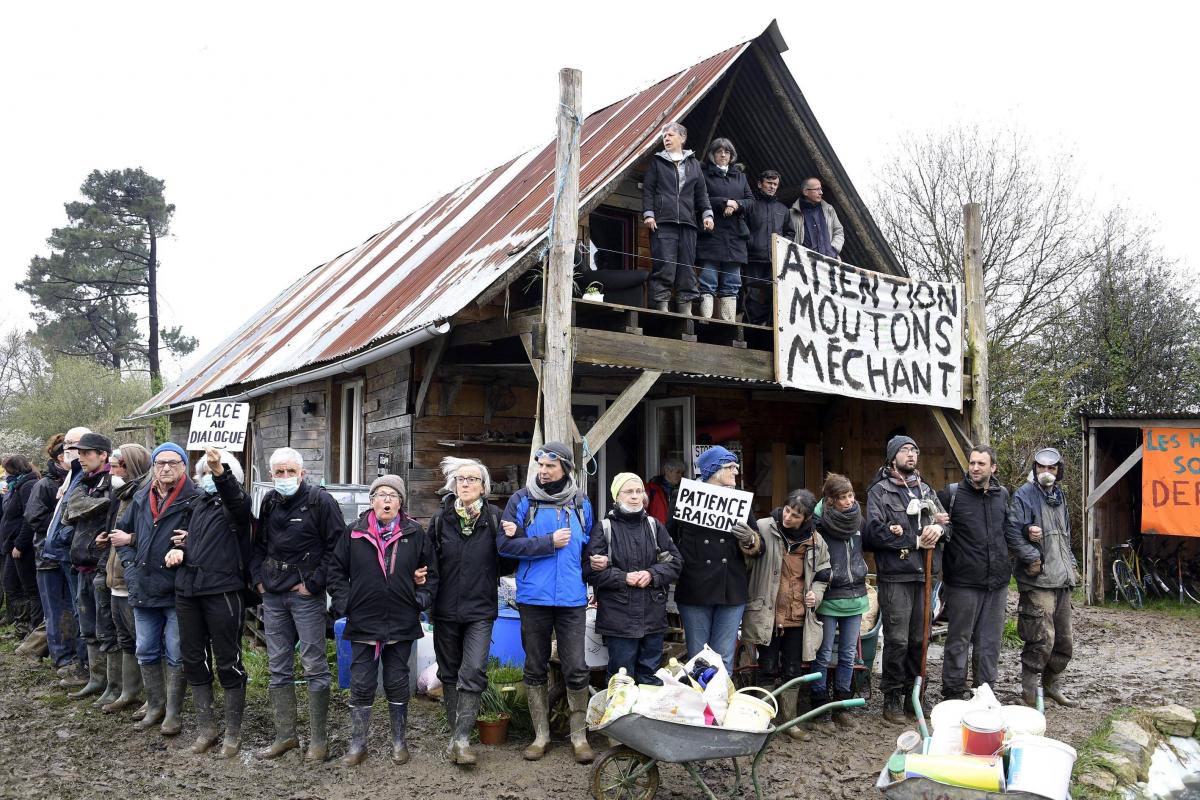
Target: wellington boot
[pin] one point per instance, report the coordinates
(113, 672)
(824, 723)
(172, 722)
(131, 685)
(578, 701)
(96, 674)
(1052, 688)
(360, 724)
(318, 723)
(140, 712)
(398, 713)
(1029, 687)
(706, 306)
(788, 711)
(539, 713)
(450, 702)
(727, 308)
(662, 305)
(206, 727)
(460, 736)
(235, 705)
(893, 709)
(75, 675)
(283, 703)
(683, 307)
(156, 696)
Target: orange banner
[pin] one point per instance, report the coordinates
(1171, 481)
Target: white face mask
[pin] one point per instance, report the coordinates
(287, 486)
(1046, 479)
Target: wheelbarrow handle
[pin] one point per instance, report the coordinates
(809, 678)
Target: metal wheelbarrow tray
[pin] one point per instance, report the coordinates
(676, 743)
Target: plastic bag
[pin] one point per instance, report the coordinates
(595, 709)
(621, 699)
(428, 681)
(719, 687)
(672, 702)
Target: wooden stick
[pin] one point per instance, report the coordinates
(928, 614)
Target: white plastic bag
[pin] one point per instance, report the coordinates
(620, 702)
(672, 702)
(428, 681)
(595, 709)
(719, 688)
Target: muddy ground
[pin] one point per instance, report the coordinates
(51, 747)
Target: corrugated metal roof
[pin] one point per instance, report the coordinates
(431, 264)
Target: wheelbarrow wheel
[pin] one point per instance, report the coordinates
(613, 779)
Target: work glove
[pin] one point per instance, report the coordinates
(1034, 568)
(747, 537)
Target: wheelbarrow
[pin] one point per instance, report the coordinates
(630, 771)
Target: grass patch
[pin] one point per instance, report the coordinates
(1159, 605)
(1089, 756)
(1009, 637)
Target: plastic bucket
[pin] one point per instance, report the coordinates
(1040, 766)
(948, 714)
(968, 772)
(982, 732)
(344, 656)
(747, 713)
(1023, 721)
(506, 638)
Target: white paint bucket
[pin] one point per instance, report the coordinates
(748, 713)
(1023, 721)
(1040, 766)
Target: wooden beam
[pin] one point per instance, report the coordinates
(431, 362)
(977, 339)
(939, 416)
(1094, 579)
(612, 348)
(616, 413)
(1193, 422)
(493, 329)
(1112, 479)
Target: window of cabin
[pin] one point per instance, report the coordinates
(612, 232)
(349, 432)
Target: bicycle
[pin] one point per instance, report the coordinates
(1179, 577)
(1127, 574)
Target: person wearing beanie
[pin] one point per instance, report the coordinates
(632, 563)
(1038, 530)
(713, 588)
(298, 525)
(383, 573)
(910, 519)
(546, 527)
(142, 537)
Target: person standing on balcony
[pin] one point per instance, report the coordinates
(721, 253)
(766, 216)
(815, 222)
(673, 198)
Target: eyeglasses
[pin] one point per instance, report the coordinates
(467, 479)
(385, 496)
(814, 189)
(550, 454)
(167, 464)
(730, 465)
(908, 448)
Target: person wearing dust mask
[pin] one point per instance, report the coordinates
(1039, 535)
(298, 526)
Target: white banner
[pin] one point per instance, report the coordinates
(711, 506)
(219, 425)
(849, 331)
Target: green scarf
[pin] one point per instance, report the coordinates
(467, 515)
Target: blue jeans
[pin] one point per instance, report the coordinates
(716, 626)
(641, 658)
(846, 629)
(58, 607)
(156, 631)
(722, 278)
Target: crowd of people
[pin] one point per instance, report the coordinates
(132, 570)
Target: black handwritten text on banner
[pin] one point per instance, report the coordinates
(849, 331)
(219, 424)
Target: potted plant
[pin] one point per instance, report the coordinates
(594, 292)
(494, 715)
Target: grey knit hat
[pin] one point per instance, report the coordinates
(894, 444)
(392, 482)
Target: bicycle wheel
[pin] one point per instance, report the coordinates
(1190, 591)
(1152, 587)
(1125, 584)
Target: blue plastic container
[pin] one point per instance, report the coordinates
(343, 653)
(506, 638)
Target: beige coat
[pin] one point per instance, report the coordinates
(758, 621)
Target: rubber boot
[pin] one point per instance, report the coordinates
(662, 305)
(841, 716)
(206, 727)
(96, 672)
(35, 644)
(235, 705)
(893, 708)
(706, 306)
(539, 713)
(139, 713)
(156, 696)
(172, 722)
(360, 723)
(727, 308)
(283, 702)
(1051, 688)
(788, 711)
(577, 699)
(318, 723)
(398, 712)
(823, 723)
(73, 676)
(450, 702)
(1029, 687)
(113, 675)
(460, 736)
(131, 684)
(683, 307)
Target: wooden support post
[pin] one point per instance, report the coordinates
(779, 473)
(960, 455)
(1112, 479)
(559, 354)
(431, 362)
(976, 323)
(616, 413)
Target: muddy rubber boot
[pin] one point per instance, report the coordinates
(706, 306)
(318, 724)
(683, 307)
(539, 714)
(577, 699)
(841, 716)
(73, 676)
(893, 709)
(139, 713)
(662, 305)
(235, 705)
(450, 702)
(1051, 688)
(112, 689)
(283, 703)
(460, 736)
(156, 696)
(360, 724)
(727, 308)
(1029, 687)
(172, 722)
(398, 713)
(96, 672)
(824, 723)
(207, 731)
(788, 710)
(131, 684)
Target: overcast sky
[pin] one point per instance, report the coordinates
(288, 133)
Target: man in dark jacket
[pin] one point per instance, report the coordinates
(815, 222)
(16, 538)
(911, 517)
(38, 511)
(976, 572)
(56, 579)
(673, 197)
(298, 525)
(1039, 534)
(766, 216)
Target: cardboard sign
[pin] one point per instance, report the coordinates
(698, 449)
(852, 332)
(711, 506)
(1171, 481)
(219, 425)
